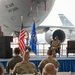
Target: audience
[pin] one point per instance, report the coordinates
(49, 59)
(25, 67)
(1, 69)
(49, 69)
(14, 60)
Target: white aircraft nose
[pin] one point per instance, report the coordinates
(12, 10)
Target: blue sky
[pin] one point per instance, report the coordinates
(66, 7)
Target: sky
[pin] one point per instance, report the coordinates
(66, 7)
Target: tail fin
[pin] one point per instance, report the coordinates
(64, 20)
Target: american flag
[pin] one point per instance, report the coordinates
(21, 40)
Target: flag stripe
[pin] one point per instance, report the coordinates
(21, 40)
(22, 34)
(22, 45)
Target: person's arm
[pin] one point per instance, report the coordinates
(14, 70)
(34, 67)
(40, 67)
(59, 44)
(2, 34)
(57, 65)
(7, 67)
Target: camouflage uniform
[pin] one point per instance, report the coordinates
(48, 60)
(24, 68)
(54, 46)
(12, 62)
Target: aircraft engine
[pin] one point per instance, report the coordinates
(49, 35)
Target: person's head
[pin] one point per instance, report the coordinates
(49, 69)
(16, 51)
(1, 69)
(26, 56)
(50, 52)
(56, 37)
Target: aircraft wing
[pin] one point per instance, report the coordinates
(41, 29)
(62, 27)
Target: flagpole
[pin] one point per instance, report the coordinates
(33, 19)
(22, 19)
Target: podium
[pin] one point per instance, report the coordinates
(5, 50)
